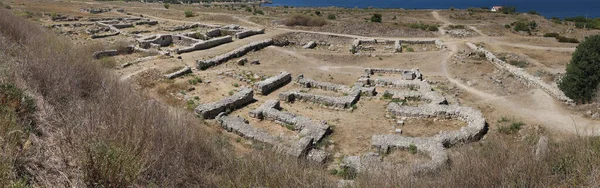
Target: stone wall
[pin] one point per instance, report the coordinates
(328, 86)
(337, 103)
(178, 73)
(248, 33)
(161, 40)
(206, 44)
(213, 33)
(356, 44)
(107, 53)
(240, 126)
(183, 40)
(524, 76)
(270, 84)
(205, 64)
(270, 110)
(240, 99)
(413, 74)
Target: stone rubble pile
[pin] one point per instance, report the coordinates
(524, 76)
(108, 53)
(336, 103)
(238, 100)
(205, 64)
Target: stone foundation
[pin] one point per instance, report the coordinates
(524, 76)
(248, 33)
(240, 99)
(206, 44)
(205, 64)
(270, 84)
(180, 72)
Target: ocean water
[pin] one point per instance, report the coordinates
(547, 8)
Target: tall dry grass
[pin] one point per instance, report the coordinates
(94, 130)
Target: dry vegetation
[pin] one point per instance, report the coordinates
(89, 129)
(304, 20)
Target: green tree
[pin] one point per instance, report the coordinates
(583, 73)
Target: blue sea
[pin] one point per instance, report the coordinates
(547, 8)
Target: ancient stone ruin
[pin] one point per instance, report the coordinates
(393, 45)
(205, 64)
(522, 75)
(240, 99)
(201, 45)
(178, 73)
(108, 53)
(270, 84)
(248, 33)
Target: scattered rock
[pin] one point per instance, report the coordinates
(541, 149)
(310, 45)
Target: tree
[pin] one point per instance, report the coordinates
(376, 18)
(583, 73)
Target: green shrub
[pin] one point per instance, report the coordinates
(387, 96)
(166, 5)
(318, 13)
(520, 64)
(509, 10)
(347, 173)
(506, 26)
(512, 128)
(566, 39)
(583, 73)
(231, 93)
(259, 12)
(551, 35)
(331, 16)
(188, 13)
(376, 18)
(521, 26)
(235, 85)
(533, 12)
(432, 28)
(194, 81)
(412, 149)
(248, 9)
(410, 49)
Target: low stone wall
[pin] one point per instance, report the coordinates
(337, 103)
(162, 40)
(356, 44)
(181, 27)
(248, 33)
(241, 127)
(524, 76)
(213, 33)
(428, 146)
(328, 86)
(406, 74)
(107, 53)
(205, 64)
(306, 127)
(206, 44)
(240, 99)
(180, 72)
(476, 125)
(183, 40)
(270, 84)
(122, 25)
(418, 89)
(146, 22)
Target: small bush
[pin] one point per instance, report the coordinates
(331, 16)
(520, 64)
(235, 85)
(347, 173)
(412, 149)
(376, 18)
(188, 13)
(230, 93)
(248, 9)
(432, 28)
(512, 128)
(318, 13)
(554, 35)
(194, 81)
(387, 96)
(166, 5)
(566, 39)
(259, 12)
(410, 49)
(533, 12)
(304, 20)
(507, 26)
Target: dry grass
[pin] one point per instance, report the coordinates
(304, 20)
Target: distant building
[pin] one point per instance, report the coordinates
(496, 8)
